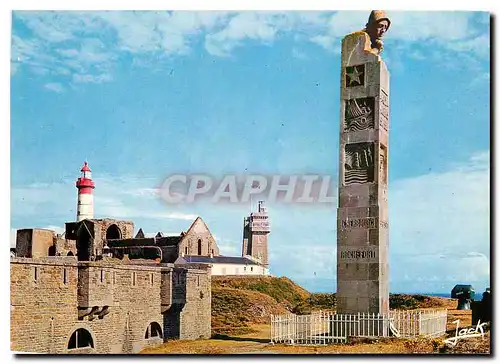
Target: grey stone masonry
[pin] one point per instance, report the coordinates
(362, 215)
(59, 305)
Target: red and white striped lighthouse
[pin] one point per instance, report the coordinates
(85, 185)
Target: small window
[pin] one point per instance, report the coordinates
(134, 278)
(244, 269)
(102, 276)
(35, 274)
(186, 250)
(65, 275)
(198, 281)
(251, 269)
(81, 338)
(152, 279)
(114, 277)
(199, 246)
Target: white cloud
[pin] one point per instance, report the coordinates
(57, 201)
(440, 224)
(261, 26)
(327, 42)
(54, 86)
(88, 78)
(297, 53)
(440, 213)
(421, 26)
(171, 215)
(439, 233)
(228, 247)
(87, 44)
(450, 30)
(144, 192)
(479, 45)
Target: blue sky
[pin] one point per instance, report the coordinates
(145, 95)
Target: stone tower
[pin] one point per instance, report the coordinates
(255, 233)
(85, 185)
(362, 215)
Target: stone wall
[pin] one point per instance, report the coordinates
(51, 298)
(34, 242)
(189, 316)
(65, 247)
(91, 234)
(133, 295)
(101, 226)
(43, 307)
(196, 315)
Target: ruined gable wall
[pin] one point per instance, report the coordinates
(199, 231)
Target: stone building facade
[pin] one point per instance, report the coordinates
(69, 301)
(97, 288)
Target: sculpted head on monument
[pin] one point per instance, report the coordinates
(377, 26)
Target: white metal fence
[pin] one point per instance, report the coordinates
(430, 323)
(329, 327)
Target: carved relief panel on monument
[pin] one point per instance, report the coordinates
(359, 114)
(359, 163)
(355, 75)
(384, 110)
(383, 165)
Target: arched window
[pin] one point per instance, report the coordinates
(113, 232)
(199, 246)
(153, 330)
(70, 254)
(81, 338)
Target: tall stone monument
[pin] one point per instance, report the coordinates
(362, 215)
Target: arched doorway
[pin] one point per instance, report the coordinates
(113, 232)
(153, 330)
(81, 338)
